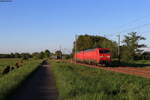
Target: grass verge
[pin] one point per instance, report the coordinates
(76, 82)
(8, 61)
(12, 80)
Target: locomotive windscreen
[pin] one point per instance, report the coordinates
(104, 51)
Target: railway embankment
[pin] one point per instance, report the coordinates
(79, 82)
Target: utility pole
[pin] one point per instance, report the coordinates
(119, 47)
(104, 41)
(76, 47)
(60, 47)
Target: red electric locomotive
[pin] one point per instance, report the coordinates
(96, 56)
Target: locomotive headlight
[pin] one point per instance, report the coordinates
(104, 56)
(101, 56)
(108, 56)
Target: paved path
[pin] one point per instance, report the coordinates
(41, 86)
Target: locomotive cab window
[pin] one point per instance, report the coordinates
(104, 51)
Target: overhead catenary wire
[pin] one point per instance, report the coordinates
(133, 28)
(134, 21)
(129, 29)
(137, 27)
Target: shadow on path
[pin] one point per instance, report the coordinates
(40, 86)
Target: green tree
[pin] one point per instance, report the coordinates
(47, 53)
(131, 42)
(67, 56)
(42, 55)
(36, 55)
(125, 53)
(12, 55)
(25, 56)
(17, 55)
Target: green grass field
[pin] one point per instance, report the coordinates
(5, 62)
(76, 82)
(12, 80)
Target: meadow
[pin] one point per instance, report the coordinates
(12, 80)
(77, 82)
(6, 62)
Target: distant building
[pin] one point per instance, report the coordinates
(53, 57)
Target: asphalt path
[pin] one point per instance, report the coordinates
(40, 86)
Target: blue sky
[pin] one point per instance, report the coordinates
(35, 25)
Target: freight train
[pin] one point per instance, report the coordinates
(94, 56)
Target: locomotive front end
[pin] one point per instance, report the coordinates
(104, 56)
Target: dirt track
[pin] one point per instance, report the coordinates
(143, 72)
(41, 86)
(132, 71)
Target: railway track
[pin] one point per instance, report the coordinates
(132, 71)
(142, 72)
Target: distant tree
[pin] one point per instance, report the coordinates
(84, 42)
(47, 53)
(25, 56)
(5, 56)
(125, 53)
(67, 56)
(17, 55)
(58, 54)
(42, 55)
(131, 42)
(12, 55)
(36, 55)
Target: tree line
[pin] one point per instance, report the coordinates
(130, 48)
(36, 55)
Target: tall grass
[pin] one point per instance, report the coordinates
(5, 62)
(76, 82)
(12, 80)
